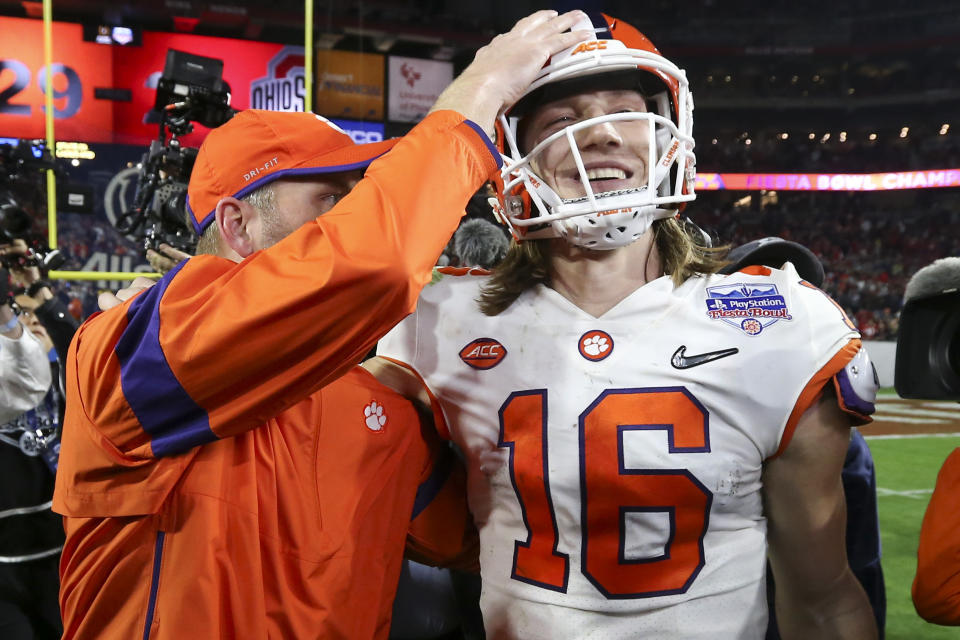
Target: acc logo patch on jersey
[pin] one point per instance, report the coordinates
(748, 307)
(483, 353)
(595, 345)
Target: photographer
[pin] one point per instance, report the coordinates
(50, 313)
(31, 535)
(927, 367)
(24, 373)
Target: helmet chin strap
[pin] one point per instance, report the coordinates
(608, 232)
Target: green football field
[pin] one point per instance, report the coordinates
(906, 472)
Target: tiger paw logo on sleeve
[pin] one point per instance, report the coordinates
(748, 307)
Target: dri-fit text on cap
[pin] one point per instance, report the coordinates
(253, 173)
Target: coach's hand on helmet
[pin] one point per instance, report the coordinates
(502, 70)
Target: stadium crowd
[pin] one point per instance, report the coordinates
(868, 247)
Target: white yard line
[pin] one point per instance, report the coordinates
(903, 436)
(911, 493)
(955, 406)
(917, 411)
(908, 420)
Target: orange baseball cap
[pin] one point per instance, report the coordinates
(256, 147)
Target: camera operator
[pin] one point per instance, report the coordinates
(165, 257)
(928, 367)
(31, 535)
(24, 373)
(50, 312)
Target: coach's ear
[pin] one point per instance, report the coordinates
(238, 222)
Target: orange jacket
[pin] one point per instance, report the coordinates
(936, 589)
(289, 521)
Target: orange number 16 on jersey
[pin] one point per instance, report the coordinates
(610, 491)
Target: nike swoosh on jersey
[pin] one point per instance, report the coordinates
(680, 361)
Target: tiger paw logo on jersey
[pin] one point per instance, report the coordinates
(483, 353)
(595, 345)
(748, 307)
(374, 417)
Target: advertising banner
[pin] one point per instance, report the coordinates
(349, 85)
(104, 93)
(888, 181)
(415, 85)
(78, 69)
(361, 132)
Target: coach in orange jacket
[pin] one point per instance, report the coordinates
(226, 471)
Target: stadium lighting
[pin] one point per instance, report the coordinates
(944, 128)
(825, 137)
(784, 135)
(812, 136)
(748, 142)
(714, 141)
(904, 131)
(872, 136)
(843, 136)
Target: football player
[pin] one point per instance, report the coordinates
(639, 430)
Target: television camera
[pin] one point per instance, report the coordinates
(21, 169)
(191, 89)
(928, 345)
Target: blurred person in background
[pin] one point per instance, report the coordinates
(31, 535)
(479, 243)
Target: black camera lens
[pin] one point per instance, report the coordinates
(14, 221)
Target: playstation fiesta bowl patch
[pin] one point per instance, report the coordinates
(748, 307)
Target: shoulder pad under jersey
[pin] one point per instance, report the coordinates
(857, 385)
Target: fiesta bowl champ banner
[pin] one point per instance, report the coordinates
(349, 85)
(829, 181)
(261, 75)
(415, 85)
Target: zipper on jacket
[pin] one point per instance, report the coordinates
(154, 584)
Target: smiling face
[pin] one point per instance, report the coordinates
(614, 153)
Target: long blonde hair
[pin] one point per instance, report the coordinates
(527, 263)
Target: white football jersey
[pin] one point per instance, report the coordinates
(615, 462)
